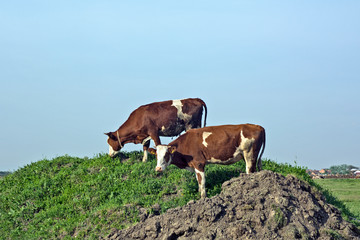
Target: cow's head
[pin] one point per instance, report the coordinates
(164, 156)
(115, 144)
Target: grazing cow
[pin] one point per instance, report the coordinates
(168, 118)
(225, 144)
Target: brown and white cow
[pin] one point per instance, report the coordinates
(225, 144)
(168, 118)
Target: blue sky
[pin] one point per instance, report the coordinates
(72, 70)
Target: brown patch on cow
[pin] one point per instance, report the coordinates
(199, 178)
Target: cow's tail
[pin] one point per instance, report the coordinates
(205, 108)
(259, 163)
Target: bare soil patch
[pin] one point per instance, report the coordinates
(262, 205)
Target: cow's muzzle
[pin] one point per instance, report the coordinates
(158, 169)
(114, 154)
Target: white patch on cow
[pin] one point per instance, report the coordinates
(247, 151)
(163, 128)
(180, 114)
(205, 136)
(225, 162)
(249, 158)
(161, 151)
(145, 157)
(246, 143)
(146, 139)
(112, 152)
(201, 183)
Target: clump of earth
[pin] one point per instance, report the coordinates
(262, 205)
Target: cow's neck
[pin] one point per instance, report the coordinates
(179, 160)
(126, 135)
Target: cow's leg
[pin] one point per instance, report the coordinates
(259, 164)
(155, 137)
(146, 144)
(250, 161)
(256, 151)
(200, 176)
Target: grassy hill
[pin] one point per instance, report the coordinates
(70, 197)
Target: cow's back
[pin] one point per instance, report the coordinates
(152, 109)
(154, 112)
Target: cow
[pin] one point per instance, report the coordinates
(224, 144)
(167, 118)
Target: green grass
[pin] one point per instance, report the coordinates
(84, 197)
(346, 190)
(69, 197)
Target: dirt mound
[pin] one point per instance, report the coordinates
(263, 205)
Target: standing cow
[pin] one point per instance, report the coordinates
(168, 118)
(225, 144)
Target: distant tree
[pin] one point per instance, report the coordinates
(341, 169)
(2, 174)
(353, 167)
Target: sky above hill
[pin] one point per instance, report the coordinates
(73, 70)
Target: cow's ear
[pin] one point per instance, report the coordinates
(152, 151)
(172, 149)
(110, 135)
